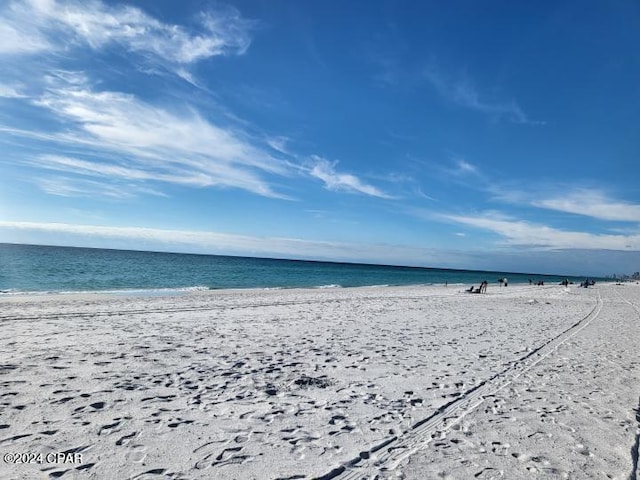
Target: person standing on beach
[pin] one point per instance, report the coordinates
(505, 281)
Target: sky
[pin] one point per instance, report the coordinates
(462, 134)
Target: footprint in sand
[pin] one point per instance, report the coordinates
(489, 473)
(521, 457)
(124, 440)
(109, 428)
(136, 454)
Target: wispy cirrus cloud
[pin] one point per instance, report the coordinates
(73, 187)
(119, 172)
(528, 234)
(462, 170)
(591, 203)
(36, 26)
(123, 137)
(10, 91)
(324, 170)
(578, 200)
(125, 141)
(123, 122)
(464, 167)
(129, 141)
(462, 91)
(17, 36)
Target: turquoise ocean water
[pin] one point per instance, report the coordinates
(31, 268)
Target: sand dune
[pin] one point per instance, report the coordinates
(407, 382)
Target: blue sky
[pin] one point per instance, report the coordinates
(463, 134)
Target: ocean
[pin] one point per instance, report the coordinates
(40, 269)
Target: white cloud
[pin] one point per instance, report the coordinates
(463, 169)
(10, 91)
(141, 142)
(125, 141)
(593, 204)
(325, 171)
(279, 144)
(587, 202)
(113, 171)
(22, 39)
(522, 233)
(466, 167)
(135, 142)
(123, 122)
(462, 92)
(47, 25)
(70, 187)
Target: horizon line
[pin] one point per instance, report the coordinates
(304, 260)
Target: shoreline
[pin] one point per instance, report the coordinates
(299, 382)
(200, 289)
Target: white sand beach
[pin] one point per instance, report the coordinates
(386, 382)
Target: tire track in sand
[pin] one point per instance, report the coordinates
(388, 454)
